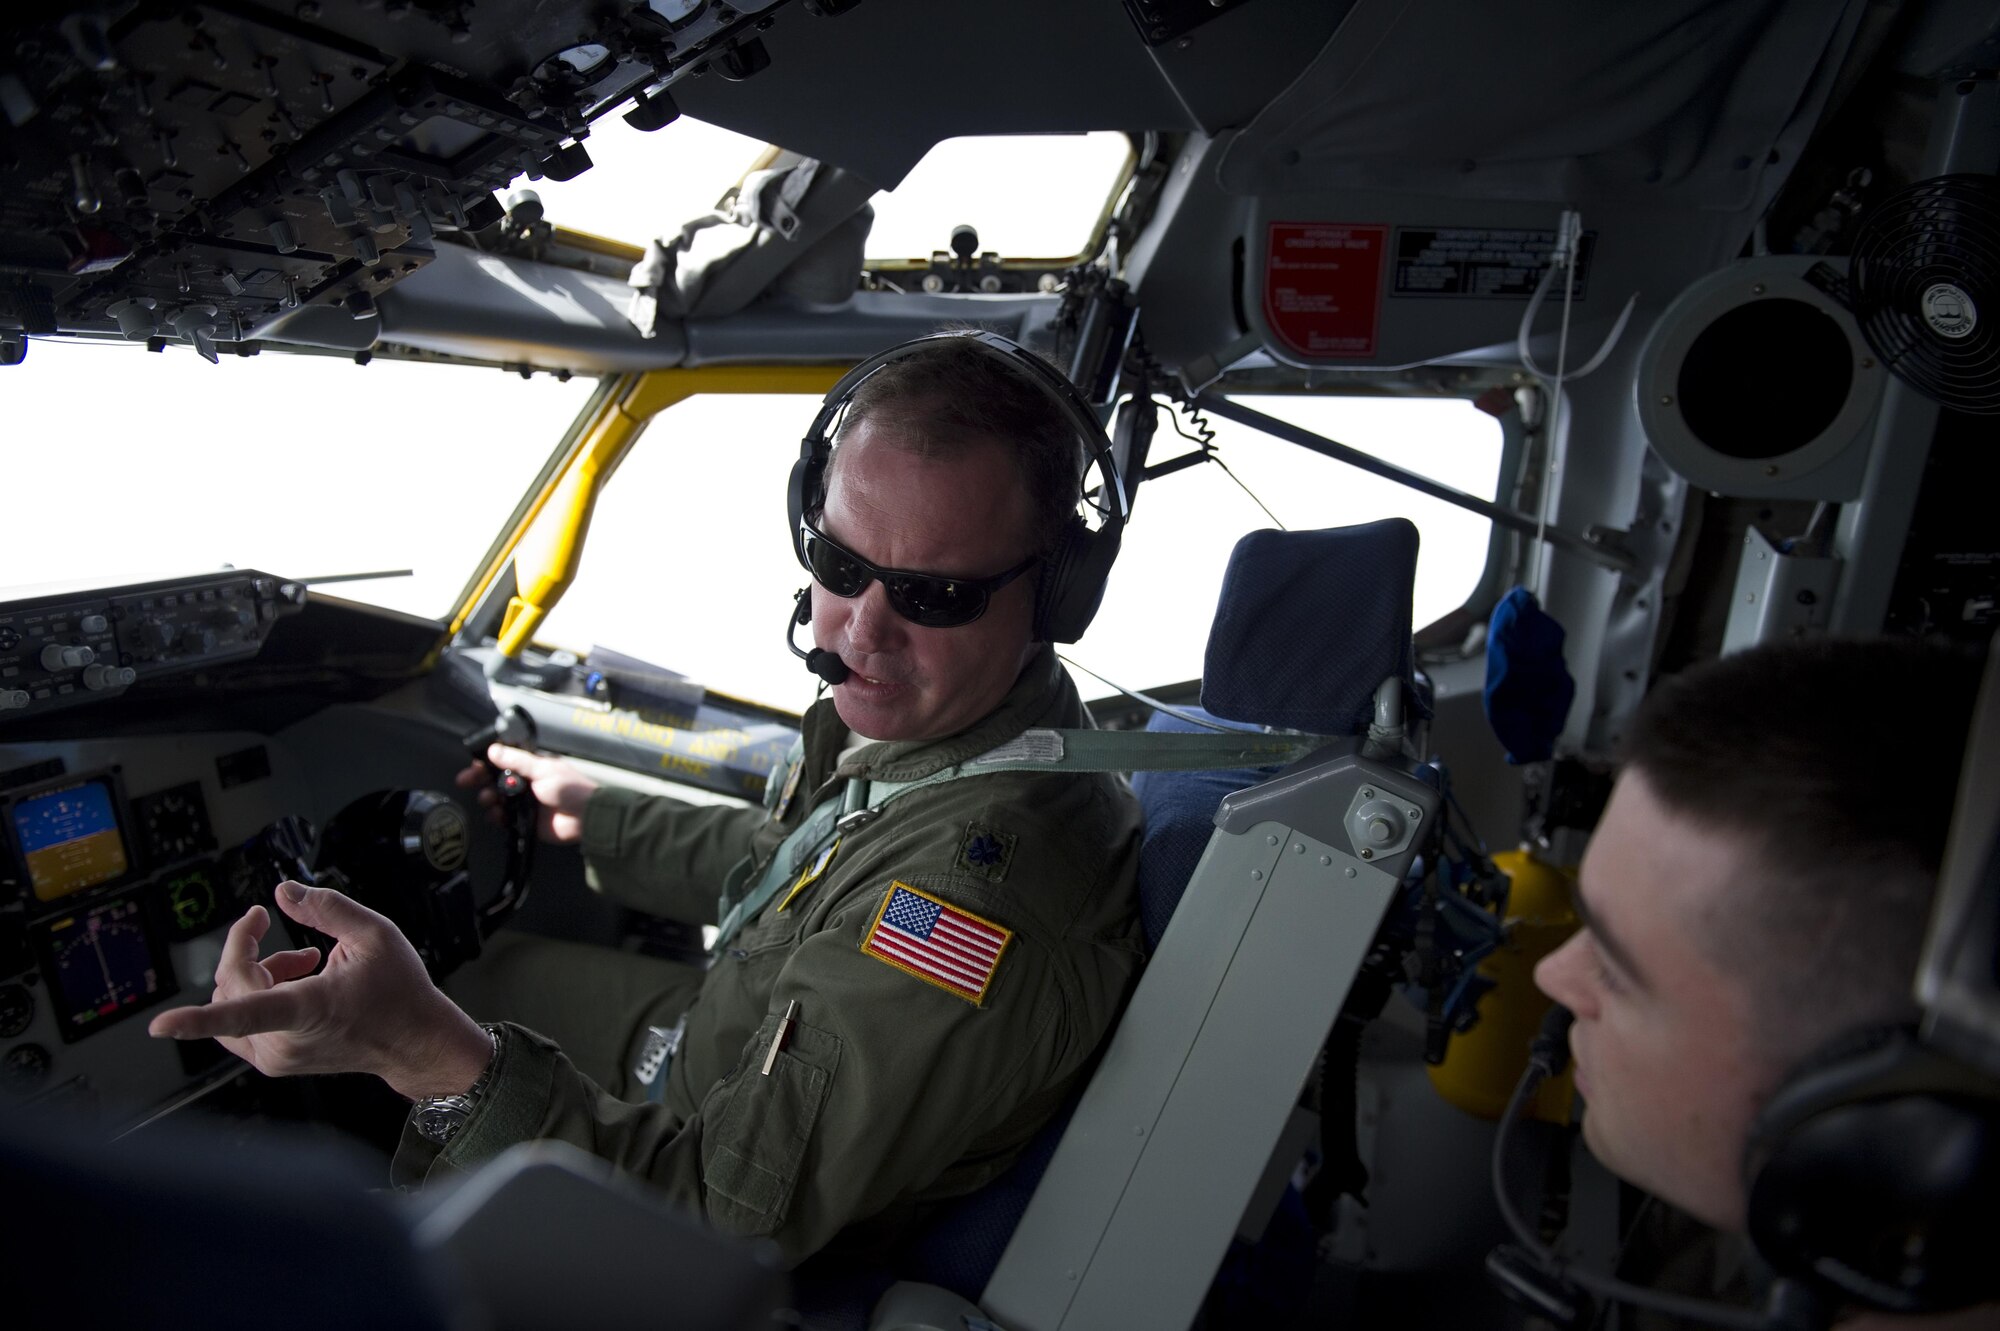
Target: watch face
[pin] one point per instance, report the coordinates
(439, 1120)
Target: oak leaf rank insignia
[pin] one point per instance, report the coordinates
(986, 851)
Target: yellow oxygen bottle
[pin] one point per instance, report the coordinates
(1482, 1066)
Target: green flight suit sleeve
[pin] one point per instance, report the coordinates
(663, 856)
(884, 1082)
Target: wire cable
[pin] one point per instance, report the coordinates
(1204, 438)
(1547, 1055)
(1178, 713)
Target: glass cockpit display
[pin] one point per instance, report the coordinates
(103, 964)
(70, 838)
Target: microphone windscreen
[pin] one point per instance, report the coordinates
(827, 665)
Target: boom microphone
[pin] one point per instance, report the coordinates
(827, 665)
(1529, 1273)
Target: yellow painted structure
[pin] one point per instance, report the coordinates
(1482, 1066)
(546, 544)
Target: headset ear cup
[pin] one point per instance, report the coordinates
(1073, 581)
(804, 491)
(1813, 1084)
(1052, 588)
(1862, 1153)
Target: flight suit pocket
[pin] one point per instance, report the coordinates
(753, 1154)
(771, 929)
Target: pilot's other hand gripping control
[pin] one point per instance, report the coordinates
(904, 989)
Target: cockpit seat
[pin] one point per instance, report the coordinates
(1312, 633)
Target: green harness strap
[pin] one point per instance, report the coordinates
(862, 801)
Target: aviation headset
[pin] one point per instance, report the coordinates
(1873, 1169)
(1073, 574)
(1869, 1175)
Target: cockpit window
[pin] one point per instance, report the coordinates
(125, 466)
(646, 185)
(688, 563)
(1028, 195)
(1153, 626)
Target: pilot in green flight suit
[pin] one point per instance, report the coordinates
(904, 1054)
(898, 1002)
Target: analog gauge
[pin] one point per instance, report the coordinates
(174, 823)
(25, 1067)
(17, 1009)
(195, 900)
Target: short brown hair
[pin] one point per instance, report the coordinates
(952, 392)
(1838, 762)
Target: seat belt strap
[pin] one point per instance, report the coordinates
(861, 801)
(792, 856)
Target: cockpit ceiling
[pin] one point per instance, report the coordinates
(875, 90)
(1681, 100)
(193, 171)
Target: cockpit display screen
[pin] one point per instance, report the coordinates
(69, 838)
(104, 962)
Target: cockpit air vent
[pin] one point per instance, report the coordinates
(1756, 382)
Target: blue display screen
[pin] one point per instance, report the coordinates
(64, 815)
(70, 838)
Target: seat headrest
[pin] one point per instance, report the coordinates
(1309, 623)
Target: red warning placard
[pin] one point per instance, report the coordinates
(1323, 288)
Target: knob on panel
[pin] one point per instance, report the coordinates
(58, 656)
(102, 676)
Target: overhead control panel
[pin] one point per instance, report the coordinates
(58, 649)
(197, 172)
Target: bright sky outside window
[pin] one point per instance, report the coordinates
(156, 465)
(1153, 626)
(688, 564)
(1028, 195)
(646, 185)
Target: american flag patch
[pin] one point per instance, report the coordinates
(950, 948)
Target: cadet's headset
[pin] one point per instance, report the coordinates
(1072, 575)
(1871, 1173)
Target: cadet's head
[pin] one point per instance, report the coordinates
(1759, 884)
(949, 463)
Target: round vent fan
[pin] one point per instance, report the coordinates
(1926, 288)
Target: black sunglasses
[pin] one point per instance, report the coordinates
(922, 598)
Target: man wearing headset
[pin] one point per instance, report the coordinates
(1754, 900)
(890, 1019)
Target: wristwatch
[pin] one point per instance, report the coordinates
(438, 1118)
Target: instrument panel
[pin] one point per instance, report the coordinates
(60, 649)
(123, 860)
(114, 903)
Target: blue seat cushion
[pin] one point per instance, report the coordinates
(1309, 623)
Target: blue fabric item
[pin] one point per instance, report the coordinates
(1528, 688)
(1309, 623)
(1179, 813)
(961, 1247)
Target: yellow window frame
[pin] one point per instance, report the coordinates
(546, 555)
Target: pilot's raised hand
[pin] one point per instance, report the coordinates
(372, 1009)
(556, 784)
